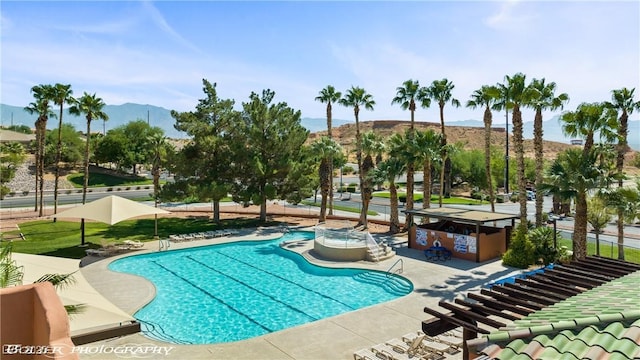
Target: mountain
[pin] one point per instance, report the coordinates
(161, 117)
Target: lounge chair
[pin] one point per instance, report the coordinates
(385, 352)
(364, 354)
(410, 349)
(133, 243)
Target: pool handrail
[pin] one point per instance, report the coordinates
(399, 271)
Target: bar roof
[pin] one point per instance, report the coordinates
(462, 215)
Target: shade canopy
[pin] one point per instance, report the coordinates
(110, 210)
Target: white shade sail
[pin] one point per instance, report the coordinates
(110, 210)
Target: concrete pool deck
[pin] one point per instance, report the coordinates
(337, 337)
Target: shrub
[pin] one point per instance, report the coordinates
(348, 170)
(4, 191)
(541, 239)
(110, 189)
(521, 252)
(25, 193)
(128, 188)
(500, 199)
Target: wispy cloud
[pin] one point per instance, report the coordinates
(163, 25)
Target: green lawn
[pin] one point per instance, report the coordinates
(607, 249)
(61, 238)
(104, 180)
(340, 207)
(434, 199)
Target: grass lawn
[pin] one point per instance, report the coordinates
(104, 180)
(434, 198)
(339, 207)
(607, 249)
(61, 238)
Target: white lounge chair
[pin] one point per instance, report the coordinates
(364, 354)
(133, 243)
(410, 349)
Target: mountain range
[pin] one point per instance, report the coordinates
(161, 117)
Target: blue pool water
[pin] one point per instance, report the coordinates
(236, 291)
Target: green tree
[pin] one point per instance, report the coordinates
(42, 107)
(11, 156)
(486, 97)
(23, 129)
(625, 201)
(588, 120)
(406, 96)
(91, 107)
(428, 144)
(573, 174)
(329, 96)
(440, 92)
(517, 95)
(390, 169)
(267, 140)
(372, 145)
(543, 97)
(357, 97)
(61, 95)
(203, 166)
(324, 149)
(622, 101)
(72, 146)
(598, 217)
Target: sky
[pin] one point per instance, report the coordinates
(158, 52)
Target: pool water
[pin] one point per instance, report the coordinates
(235, 291)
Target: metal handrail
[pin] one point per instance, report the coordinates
(400, 270)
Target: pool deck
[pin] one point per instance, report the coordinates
(115, 297)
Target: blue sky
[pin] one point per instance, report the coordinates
(158, 52)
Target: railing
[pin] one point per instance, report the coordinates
(373, 246)
(399, 271)
(164, 244)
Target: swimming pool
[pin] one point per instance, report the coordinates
(235, 291)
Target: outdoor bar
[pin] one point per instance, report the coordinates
(462, 231)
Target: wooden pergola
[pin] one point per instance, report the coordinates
(506, 302)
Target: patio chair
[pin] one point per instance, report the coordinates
(133, 243)
(410, 349)
(364, 354)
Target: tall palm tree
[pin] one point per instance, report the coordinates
(372, 146)
(390, 169)
(324, 149)
(440, 92)
(357, 97)
(61, 94)
(518, 95)
(42, 107)
(575, 173)
(91, 107)
(486, 96)
(406, 96)
(428, 144)
(502, 103)
(623, 102)
(329, 96)
(543, 98)
(405, 148)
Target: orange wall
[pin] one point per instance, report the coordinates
(34, 315)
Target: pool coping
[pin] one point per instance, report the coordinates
(345, 333)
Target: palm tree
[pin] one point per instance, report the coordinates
(543, 98)
(428, 144)
(41, 106)
(440, 92)
(518, 94)
(598, 216)
(575, 173)
(622, 101)
(406, 96)
(405, 148)
(90, 106)
(62, 94)
(372, 145)
(324, 149)
(390, 169)
(588, 120)
(328, 96)
(357, 97)
(486, 96)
